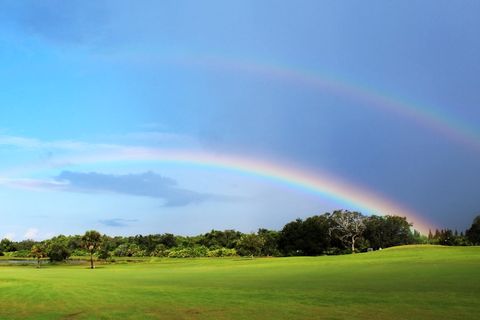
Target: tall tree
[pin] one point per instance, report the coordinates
(347, 226)
(473, 233)
(91, 240)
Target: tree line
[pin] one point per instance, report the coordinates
(339, 232)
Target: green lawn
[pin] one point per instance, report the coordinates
(399, 283)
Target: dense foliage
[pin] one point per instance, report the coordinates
(330, 233)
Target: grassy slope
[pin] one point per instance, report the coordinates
(398, 283)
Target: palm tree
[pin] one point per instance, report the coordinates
(91, 240)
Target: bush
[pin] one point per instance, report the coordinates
(104, 254)
(222, 252)
(179, 253)
(250, 245)
(160, 251)
(20, 254)
(189, 252)
(127, 250)
(17, 254)
(140, 253)
(79, 253)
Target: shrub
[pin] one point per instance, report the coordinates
(127, 250)
(79, 253)
(160, 251)
(20, 254)
(57, 251)
(222, 252)
(189, 252)
(140, 253)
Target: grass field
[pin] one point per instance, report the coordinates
(399, 283)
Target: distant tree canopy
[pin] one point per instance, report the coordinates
(6, 245)
(220, 239)
(329, 233)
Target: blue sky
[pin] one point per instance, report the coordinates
(84, 78)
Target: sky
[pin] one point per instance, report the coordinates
(177, 116)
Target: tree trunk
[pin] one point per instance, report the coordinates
(91, 260)
(353, 245)
(38, 262)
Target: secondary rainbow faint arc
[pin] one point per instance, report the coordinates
(427, 116)
(319, 183)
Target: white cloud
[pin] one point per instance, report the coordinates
(9, 236)
(129, 139)
(32, 233)
(67, 145)
(48, 235)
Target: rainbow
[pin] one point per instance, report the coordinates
(429, 117)
(322, 184)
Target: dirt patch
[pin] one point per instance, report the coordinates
(73, 315)
(192, 311)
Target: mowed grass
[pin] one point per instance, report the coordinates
(413, 282)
